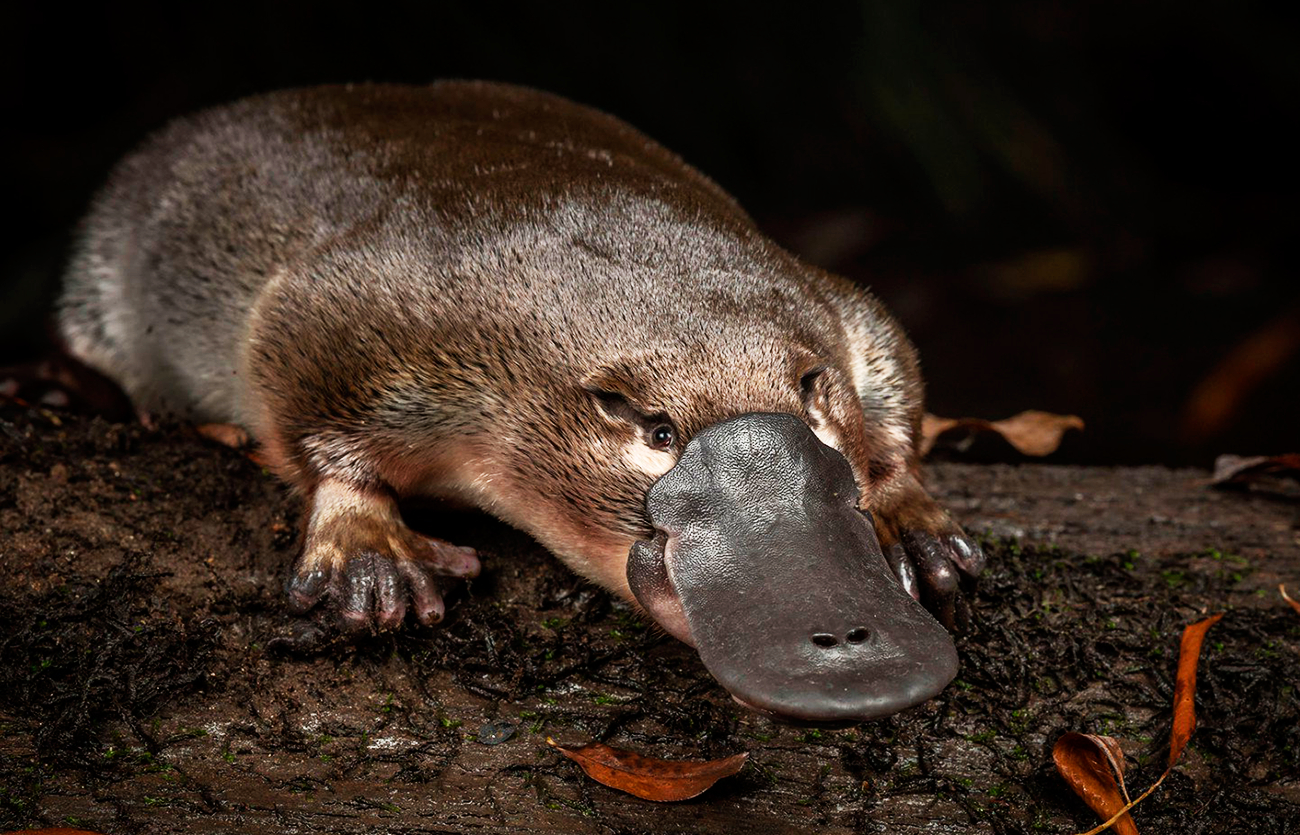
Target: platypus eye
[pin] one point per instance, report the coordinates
(662, 436)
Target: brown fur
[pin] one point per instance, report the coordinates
(434, 290)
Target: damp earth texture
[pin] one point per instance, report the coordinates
(152, 681)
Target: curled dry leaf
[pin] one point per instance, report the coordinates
(1094, 765)
(647, 777)
(1029, 433)
(1279, 474)
(1294, 603)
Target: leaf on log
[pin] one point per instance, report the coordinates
(647, 777)
(1295, 604)
(1278, 474)
(1189, 654)
(1094, 765)
(1029, 433)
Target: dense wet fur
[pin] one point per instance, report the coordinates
(477, 291)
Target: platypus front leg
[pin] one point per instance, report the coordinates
(929, 553)
(361, 555)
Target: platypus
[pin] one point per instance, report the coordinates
(493, 295)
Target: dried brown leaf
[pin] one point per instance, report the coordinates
(1295, 604)
(647, 777)
(1189, 655)
(1093, 766)
(1031, 432)
(1278, 474)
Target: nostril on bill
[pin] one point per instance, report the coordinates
(824, 640)
(856, 635)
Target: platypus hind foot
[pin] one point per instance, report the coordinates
(62, 382)
(362, 557)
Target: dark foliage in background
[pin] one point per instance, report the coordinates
(1084, 208)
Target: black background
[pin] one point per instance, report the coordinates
(1085, 208)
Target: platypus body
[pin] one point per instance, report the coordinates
(493, 295)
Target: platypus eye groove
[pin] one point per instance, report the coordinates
(662, 436)
(659, 431)
(810, 382)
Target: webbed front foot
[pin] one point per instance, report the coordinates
(929, 553)
(360, 557)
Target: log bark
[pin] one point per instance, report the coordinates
(147, 688)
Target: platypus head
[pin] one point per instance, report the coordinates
(723, 511)
(762, 561)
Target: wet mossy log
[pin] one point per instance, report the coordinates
(145, 686)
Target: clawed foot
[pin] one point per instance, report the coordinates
(932, 557)
(58, 381)
(362, 558)
(933, 568)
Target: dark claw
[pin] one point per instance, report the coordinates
(963, 616)
(937, 573)
(356, 598)
(390, 594)
(967, 555)
(901, 565)
(305, 589)
(428, 605)
(374, 588)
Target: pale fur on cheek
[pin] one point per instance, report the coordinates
(824, 430)
(654, 462)
(827, 435)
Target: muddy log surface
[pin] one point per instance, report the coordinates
(145, 686)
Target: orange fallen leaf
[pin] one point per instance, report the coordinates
(1294, 603)
(1083, 768)
(1093, 766)
(647, 777)
(1189, 653)
(1029, 433)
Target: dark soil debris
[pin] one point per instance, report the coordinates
(79, 655)
(146, 686)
